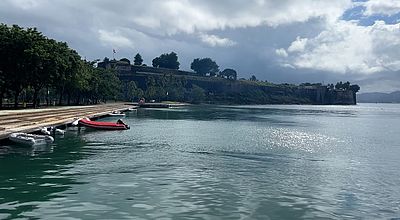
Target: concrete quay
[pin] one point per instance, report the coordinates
(31, 120)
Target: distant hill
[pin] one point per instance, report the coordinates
(373, 97)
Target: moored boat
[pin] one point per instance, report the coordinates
(116, 113)
(119, 125)
(30, 139)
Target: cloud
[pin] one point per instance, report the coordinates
(215, 41)
(26, 4)
(185, 16)
(298, 45)
(384, 7)
(281, 41)
(281, 52)
(114, 39)
(345, 47)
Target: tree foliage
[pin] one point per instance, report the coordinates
(229, 74)
(42, 68)
(125, 60)
(138, 60)
(204, 66)
(253, 78)
(167, 60)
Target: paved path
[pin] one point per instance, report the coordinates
(31, 120)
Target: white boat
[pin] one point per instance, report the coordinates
(30, 139)
(45, 131)
(75, 123)
(116, 113)
(58, 131)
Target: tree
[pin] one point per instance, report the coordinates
(108, 84)
(155, 62)
(355, 88)
(253, 78)
(138, 60)
(125, 60)
(14, 43)
(346, 85)
(204, 66)
(339, 85)
(40, 65)
(229, 74)
(197, 94)
(132, 91)
(167, 60)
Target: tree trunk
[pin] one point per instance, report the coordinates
(61, 95)
(16, 95)
(68, 98)
(1, 98)
(60, 99)
(47, 96)
(78, 99)
(35, 97)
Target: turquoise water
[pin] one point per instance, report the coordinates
(215, 162)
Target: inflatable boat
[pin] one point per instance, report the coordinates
(119, 125)
(30, 139)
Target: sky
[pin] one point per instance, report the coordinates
(285, 41)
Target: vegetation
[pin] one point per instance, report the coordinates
(229, 74)
(125, 60)
(253, 78)
(167, 60)
(138, 60)
(347, 86)
(205, 66)
(34, 68)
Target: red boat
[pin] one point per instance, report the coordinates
(119, 125)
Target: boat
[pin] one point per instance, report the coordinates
(116, 113)
(58, 131)
(119, 125)
(45, 131)
(30, 139)
(76, 121)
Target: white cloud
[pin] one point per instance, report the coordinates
(385, 7)
(215, 41)
(26, 4)
(307, 35)
(281, 52)
(186, 16)
(114, 39)
(298, 45)
(345, 47)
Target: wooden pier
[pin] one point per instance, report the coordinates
(32, 120)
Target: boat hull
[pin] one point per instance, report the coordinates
(30, 139)
(102, 125)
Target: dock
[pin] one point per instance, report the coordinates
(31, 120)
(160, 105)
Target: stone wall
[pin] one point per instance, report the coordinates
(220, 90)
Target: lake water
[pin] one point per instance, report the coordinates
(215, 162)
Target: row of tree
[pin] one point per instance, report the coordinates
(34, 68)
(347, 86)
(202, 66)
